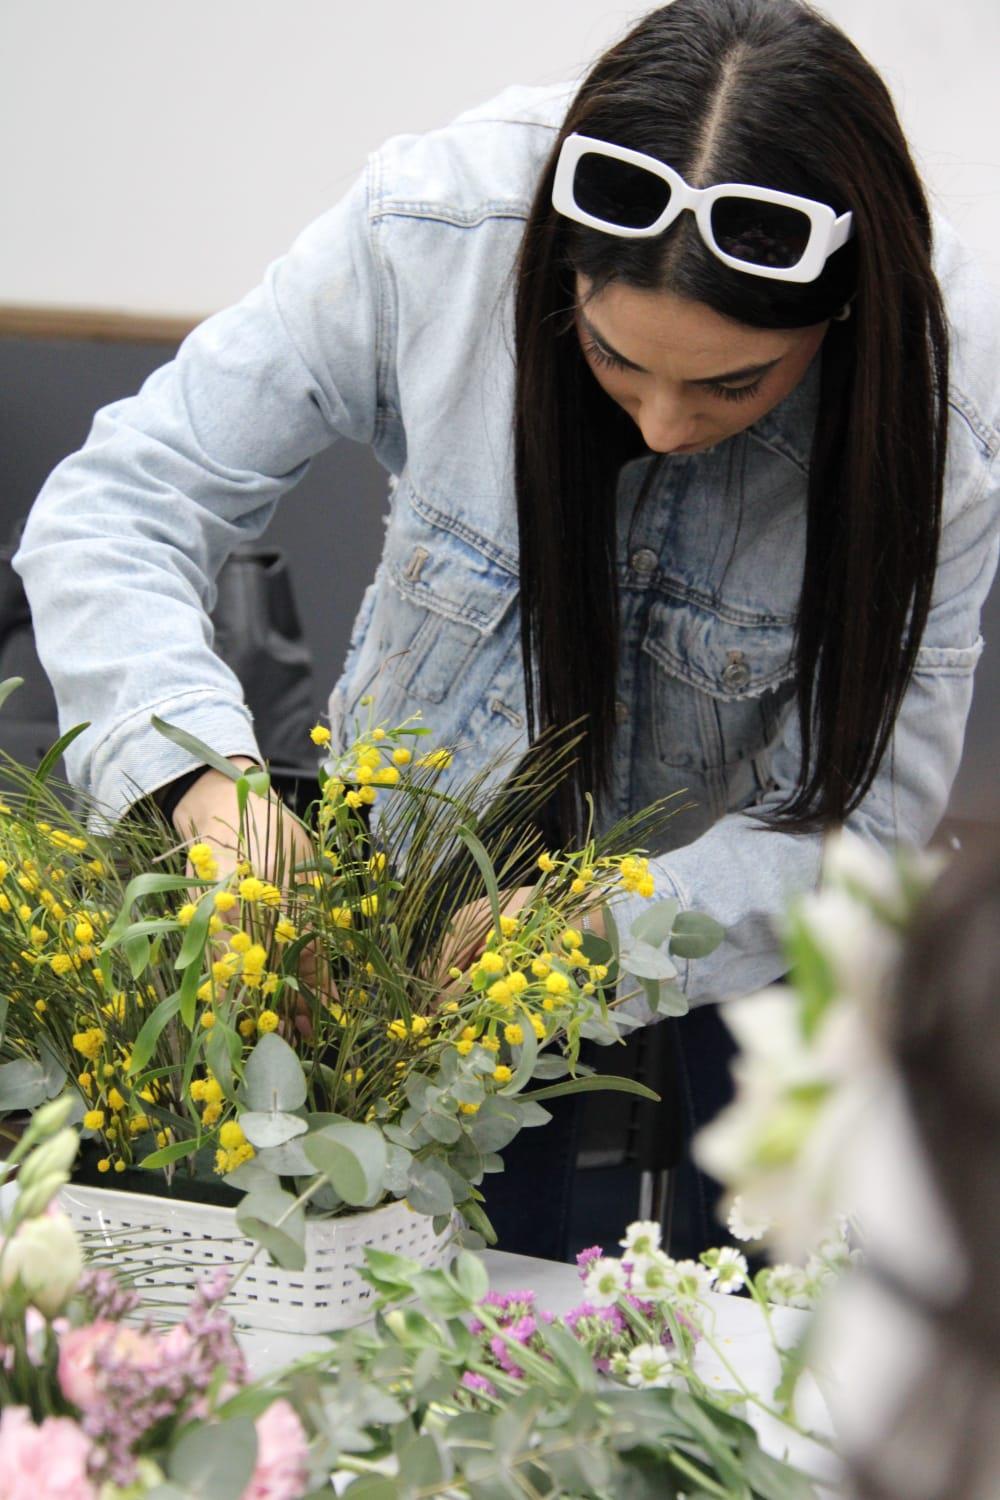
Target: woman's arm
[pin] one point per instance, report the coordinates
(743, 873)
(122, 548)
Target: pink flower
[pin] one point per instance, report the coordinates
(82, 1351)
(282, 1472)
(49, 1460)
(586, 1259)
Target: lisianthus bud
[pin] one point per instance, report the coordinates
(53, 1157)
(43, 1257)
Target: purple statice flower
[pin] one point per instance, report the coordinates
(601, 1331)
(586, 1259)
(105, 1296)
(500, 1352)
(478, 1383)
(647, 1309)
(524, 1329)
(127, 1379)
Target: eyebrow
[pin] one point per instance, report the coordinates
(742, 374)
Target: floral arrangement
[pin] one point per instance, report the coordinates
(487, 1395)
(96, 1403)
(458, 1393)
(810, 1064)
(175, 1003)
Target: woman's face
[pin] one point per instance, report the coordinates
(688, 377)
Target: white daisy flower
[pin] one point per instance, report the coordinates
(651, 1276)
(689, 1281)
(605, 1282)
(786, 1286)
(728, 1268)
(744, 1224)
(649, 1366)
(641, 1238)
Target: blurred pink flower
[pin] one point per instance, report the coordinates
(49, 1460)
(282, 1472)
(82, 1352)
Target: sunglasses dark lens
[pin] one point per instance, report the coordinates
(618, 192)
(762, 234)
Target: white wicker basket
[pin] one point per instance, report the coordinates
(173, 1244)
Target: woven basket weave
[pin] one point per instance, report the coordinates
(168, 1245)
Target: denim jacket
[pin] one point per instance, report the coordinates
(390, 322)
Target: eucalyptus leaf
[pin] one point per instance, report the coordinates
(274, 1077)
(655, 924)
(696, 935)
(269, 1216)
(671, 1002)
(647, 962)
(271, 1128)
(428, 1190)
(287, 1160)
(23, 1085)
(215, 1461)
(353, 1156)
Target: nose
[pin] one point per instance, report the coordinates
(665, 424)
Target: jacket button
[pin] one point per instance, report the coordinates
(644, 562)
(737, 674)
(621, 711)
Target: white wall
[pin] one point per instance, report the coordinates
(156, 154)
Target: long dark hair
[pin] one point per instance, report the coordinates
(764, 92)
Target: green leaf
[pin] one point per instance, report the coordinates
(22, 1085)
(270, 1128)
(215, 1461)
(48, 761)
(670, 1001)
(352, 1156)
(274, 1076)
(421, 1463)
(374, 1487)
(647, 962)
(769, 1477)
(137, 951)
(269, 1216)
(202, 753)
(151, 1031)
(592, 1085)
(479, 854)
(696, 935)
(188, 993)
(8, 686)
(471, 1275)
(571, 1355)
(550, 1065)
(655, 923)
(139, 886)
(196, 933)
(167, 1154)
(429, 1191)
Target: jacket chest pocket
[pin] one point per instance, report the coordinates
(717, 690)
(429, 631)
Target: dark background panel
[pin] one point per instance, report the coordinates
(329, 526)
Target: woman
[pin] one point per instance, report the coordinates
(696, 468)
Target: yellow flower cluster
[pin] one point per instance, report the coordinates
(233, 1150)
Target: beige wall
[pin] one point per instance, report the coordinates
(158, 153)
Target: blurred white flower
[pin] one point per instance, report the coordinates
(642, 1237)
(651, 1276)
(727, 1268)
(743, 1224)
(605, 1282)
(649, 1366)
(786, 1286)
(688, 1280)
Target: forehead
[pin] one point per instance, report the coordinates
(659, 330)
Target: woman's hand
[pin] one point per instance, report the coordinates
(209, 813)
(466, 936)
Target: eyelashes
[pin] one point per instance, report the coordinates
(601, 357)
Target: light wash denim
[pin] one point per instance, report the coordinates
(390, 322)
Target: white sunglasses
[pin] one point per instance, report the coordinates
(790, 239)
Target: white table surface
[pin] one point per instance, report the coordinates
(737, 1325)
